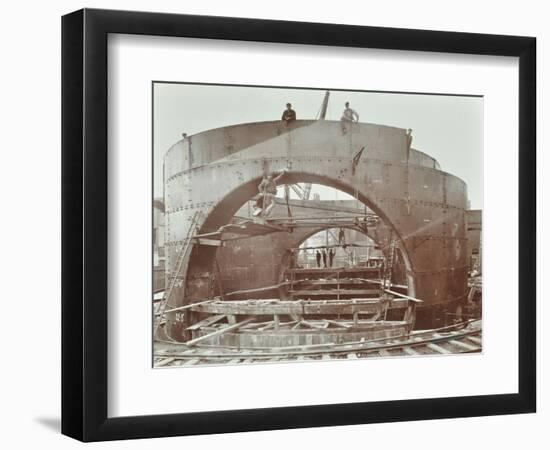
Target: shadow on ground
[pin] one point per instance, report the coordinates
(53, 423)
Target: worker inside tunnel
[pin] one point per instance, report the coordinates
(340, 263)
(337, 247)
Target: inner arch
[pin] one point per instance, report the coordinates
(203, 260)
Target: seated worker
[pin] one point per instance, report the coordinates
(348, 116)
(268, 190)
(289, 115)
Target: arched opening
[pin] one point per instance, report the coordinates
(245, 256)
(254, 263)
(340, 263)
(263, 272)
(349, 247)
(227, 207)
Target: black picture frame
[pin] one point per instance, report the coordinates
(84, 224)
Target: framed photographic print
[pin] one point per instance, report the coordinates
(274, 224)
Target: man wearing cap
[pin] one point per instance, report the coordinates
(348, 116)
(289, 115)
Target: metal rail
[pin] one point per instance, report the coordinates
(468, 341)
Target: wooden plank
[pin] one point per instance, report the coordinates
(214, 233)
(191, 362)
(339, 323)
(474, 339)
(192, 305)
(313, 325)
(438, 348)
(206, 322)
(210, 242)
(399, 294)
(267, 327)
(298, 307)
(315, 292)
(233, 361)
(164, 362)
(254, 325)
(251, 228)
(465, 346)
(262, 326)
(260, 289)
(207, 352)
(318, 205)
(218, 332)
(334, 282)
(410, 351)
(333, 270)
(177, 363)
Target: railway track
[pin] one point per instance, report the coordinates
(443, 341)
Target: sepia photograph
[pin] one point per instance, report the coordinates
(281, 219)
(299, 224)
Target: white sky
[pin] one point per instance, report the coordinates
(448, 128)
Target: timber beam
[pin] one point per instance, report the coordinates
(297, 307)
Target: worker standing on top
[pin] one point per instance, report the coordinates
(325, 258)
(318, 258)
(409, 138)
(289, 115)
(348, 116)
